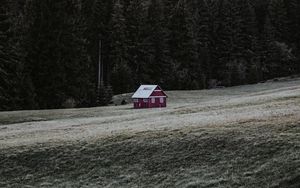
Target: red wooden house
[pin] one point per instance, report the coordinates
(149, 96)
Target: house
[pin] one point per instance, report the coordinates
(149, 96)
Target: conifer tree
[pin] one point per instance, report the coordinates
(245, 40)
(279, 19)
(224, 41)
(156, 45)
(134, 14)
(121, 75)
(15, 86)
(57, 57)
(183, 51)
(204, 34)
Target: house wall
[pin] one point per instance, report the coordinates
(157, 93)
(156, 102)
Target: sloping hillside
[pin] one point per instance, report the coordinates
(246, 136)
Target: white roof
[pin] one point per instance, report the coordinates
(144, 91)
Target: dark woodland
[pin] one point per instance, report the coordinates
(49, 50)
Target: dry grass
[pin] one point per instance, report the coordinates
(234, 137)
(244, 154)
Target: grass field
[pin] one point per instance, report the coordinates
(246, 136)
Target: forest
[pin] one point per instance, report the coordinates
(49, 50)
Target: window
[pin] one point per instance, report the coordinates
(148, 88)
(145, 100)
(153, 100)
(161, 100)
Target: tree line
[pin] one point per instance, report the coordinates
(49, 49)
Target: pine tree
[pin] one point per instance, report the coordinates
(297, 35)
(204, 34)
(98, 15)
(182, 45)
(279, 19)
(121, 74)
(293, 22)
(57, 54)
(224, 41)
(134, 14)
(5, 61)
(156, 45)
(245, 41)
(15, 92)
